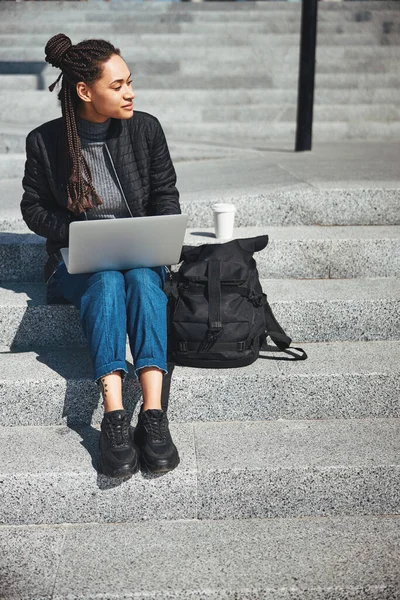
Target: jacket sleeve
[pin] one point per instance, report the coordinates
(38, 206)
(164, 195)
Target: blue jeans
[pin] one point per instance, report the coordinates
(115, 303)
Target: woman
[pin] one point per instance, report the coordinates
(103, 160)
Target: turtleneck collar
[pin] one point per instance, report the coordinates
(92, 132)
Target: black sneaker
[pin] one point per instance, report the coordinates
(158, 453)
(117, 457)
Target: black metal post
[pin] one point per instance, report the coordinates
(305, 96)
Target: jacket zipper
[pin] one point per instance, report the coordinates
(117, 178)
(122, 192)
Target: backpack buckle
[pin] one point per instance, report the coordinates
(255, 299)
(211, 337)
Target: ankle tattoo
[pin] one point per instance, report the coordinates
(104, 388)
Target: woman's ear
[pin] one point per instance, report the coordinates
(83, 91)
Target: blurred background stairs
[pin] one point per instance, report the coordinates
(289, 479)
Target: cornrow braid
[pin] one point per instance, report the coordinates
(79, 62)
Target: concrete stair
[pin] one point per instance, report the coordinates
(311, 310)
(228, 470)
(293, 252)
(301, 558)
(42, 386)
(189, 47)
(289, 475)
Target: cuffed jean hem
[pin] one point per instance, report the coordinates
(148, 363)
(117, 365)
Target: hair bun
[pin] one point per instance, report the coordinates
(56, 48)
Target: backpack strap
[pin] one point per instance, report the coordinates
(278, 336)
(215, 327)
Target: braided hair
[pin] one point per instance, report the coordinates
(80, 62)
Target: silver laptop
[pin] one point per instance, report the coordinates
(117, 244)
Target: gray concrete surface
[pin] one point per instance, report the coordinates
(248, 469)
(292, 252)
(276, 559)
(343, 183)
(339, 380)
(275, 439)
(229, 470)
(309, 311)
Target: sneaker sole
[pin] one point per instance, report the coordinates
(158, 467)
(120, 472)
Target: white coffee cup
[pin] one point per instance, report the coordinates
(224, 219)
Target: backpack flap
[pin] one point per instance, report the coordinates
(243, 249)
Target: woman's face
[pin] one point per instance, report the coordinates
(110, 96)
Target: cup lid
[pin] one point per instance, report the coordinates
(223, 207)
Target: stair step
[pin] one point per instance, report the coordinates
(335, 557)
(320, 252)
(227, 470)
(105, 21)
(229, 52)
(271, 112)
(244, 114)
(350, 206)
(182, 99)
(225, 37)
(254, 134)
(289, 475)
(309, 311)
(256, 80)
(116, 23)
(95, 7)
(292, 252)
(228, 62)
(338, 380)
(251, 134)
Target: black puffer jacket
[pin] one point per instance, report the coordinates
(140, 154)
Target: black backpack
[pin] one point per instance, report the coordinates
(218, 315)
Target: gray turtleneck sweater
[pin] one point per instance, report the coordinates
(93, 138)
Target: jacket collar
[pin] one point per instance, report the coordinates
(115, 129)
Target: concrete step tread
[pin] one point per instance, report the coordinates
(366, 289)
(249, 134)
(227, 469)
(332, 358)
(98, 22)
(229, 35)
(184, 98)
(309, 310)
(230, 51)
(343, 165)
(255, 445)
(292, 251)
(318, 199)
(257, 558)
(225, 28)
(338, 380)
(298, 232)
(275, 233)
(200, 8)
(246, 112)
